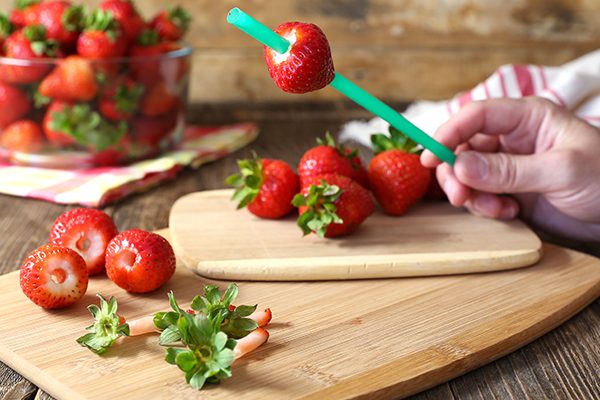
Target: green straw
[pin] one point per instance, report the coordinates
(260, 32)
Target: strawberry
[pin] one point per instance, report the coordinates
(72, 80)
(120, 99)
(54, 136)
(266, 187)
(152, 132)
(88, 232)
(24, 13)
(397, 178)
(329, 158)
(54, 276)
(124, 12)
(158, 100)
(145, 65)
(172, 24)
(101, 37)
(28, 43)
(61, 20)
(139, 261)
(6, 29)
(332, 205)
(307, 65)
(22, 136)
(14, 104)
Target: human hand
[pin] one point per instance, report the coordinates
(546, 158)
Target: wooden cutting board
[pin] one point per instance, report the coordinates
(217, 241)
(383, 338)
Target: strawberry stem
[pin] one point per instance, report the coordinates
(321, 210)
(248, 182)
(107, 327)
(395, 140)
(180, 17)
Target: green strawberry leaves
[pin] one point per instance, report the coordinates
(148, 37)
(395, 140)
(6, 27)
(106, 328)
(321, 210)
(248, 182)
(86, 126)
(73, 18)
(180, 17)
(102, 20)
(127, 98)
(330, 141)
(41, 46)
(23, 4)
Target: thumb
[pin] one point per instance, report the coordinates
(506, 173)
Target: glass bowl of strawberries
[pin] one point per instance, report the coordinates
(82, 88)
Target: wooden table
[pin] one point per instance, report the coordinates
(562, 364)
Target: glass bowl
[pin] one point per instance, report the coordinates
(134, 108)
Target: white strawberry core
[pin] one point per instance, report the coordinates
(60, 277)
(90, 245)
(278, 58)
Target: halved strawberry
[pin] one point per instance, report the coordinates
(88, 232)
(139, 261)
(171, 24)
(54, 276)
(307, 65)
(23, 136)
(73, 80)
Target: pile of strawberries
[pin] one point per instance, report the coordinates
(85, 242)
(91, 80)
(332, 190)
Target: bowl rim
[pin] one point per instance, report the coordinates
(184, 51)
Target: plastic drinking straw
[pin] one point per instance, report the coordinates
(266, 36)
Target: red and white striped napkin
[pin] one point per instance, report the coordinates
(575, 86)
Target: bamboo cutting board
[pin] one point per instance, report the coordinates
(217, 241)
(384, 338)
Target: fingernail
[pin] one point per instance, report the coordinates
(474, 166)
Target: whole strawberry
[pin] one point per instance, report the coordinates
(22, 136)
(73, 79)
(139, 261)
(101, 37)
(6, 28)
(124, 12)
(53, 276)
(14, 104)
(145, 65)
(329, 158)
(332, 205)
(307, 65)
(158, 100)
(171, 24)
(397, 178)
(62, 21)
(51, 130)
(266, 187)
(88, 232)
(120, 99)
(24, 13)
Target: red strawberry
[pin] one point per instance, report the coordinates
(14, 104)
(332, 205)
(145, 66)
(101, 37)
(88, 232)
(23, 136)
(61, 20)
(24, 13)
(28, 43)
(54, 136)
(126, 15)
(329, 158)
(265, 186)
(120, 99)
(173, 24)
(152, 132)
(6, 29)
(158, 100)
(139, 261)
(398, 180)
(54, 276)
(72, 80)
(307, 65)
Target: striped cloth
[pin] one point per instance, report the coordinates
(575, 86)
(100, 186)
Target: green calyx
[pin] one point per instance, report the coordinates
(6, 27)
(395, 140)
(330, 141)
(87, 127)
(127, 97)
(321, 210)
(180, 17)
(101, 20)
(248, 182)
(36, 35)
(72, 18)
(148, 37)
(23, 4)
(106, 328)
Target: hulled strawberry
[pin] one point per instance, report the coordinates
(62, 21)
(397, 178)
(266, 187)
(101, 37)
(171, 24)
(158, 100)
(73, 80)
(53, 276)
(330, 158)
(24, 13)
(124, 12)
(332, 205)
(22, 136)
(139, 261)
(88, 232)
(14, 104)
(120, 99)
(307, 65)
(29, 43)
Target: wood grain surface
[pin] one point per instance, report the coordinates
(214, 239)
(398, 49)
(384, 338)
(561, 364)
